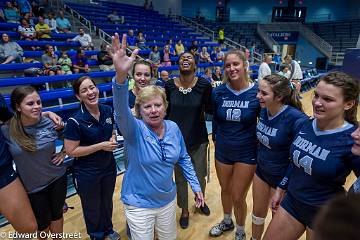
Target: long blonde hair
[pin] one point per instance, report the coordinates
(16, 129)
(241, 55)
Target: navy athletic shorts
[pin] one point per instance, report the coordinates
(272, 180)
(302, 212)
(7, 175)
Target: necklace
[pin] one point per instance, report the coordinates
(186, 90)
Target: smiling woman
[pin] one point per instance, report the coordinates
(90, 138)
(321, 158)
(31, 139)
(153, 147)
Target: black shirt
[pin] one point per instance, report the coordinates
(103, 60)
(188, 110)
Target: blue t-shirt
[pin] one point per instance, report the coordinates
(321, 162)
(275, 135)
(85, 128)
(235, 116)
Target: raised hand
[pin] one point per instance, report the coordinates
(121, 61)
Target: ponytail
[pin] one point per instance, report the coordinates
(17, 132)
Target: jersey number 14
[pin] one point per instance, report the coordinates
(304, 162)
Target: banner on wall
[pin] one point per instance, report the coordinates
(284, 37)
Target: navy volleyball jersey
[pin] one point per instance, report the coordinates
(321, 162)
(235, 117)
(275, 135)
(83, 127)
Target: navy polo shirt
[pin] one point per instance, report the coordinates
(85, 128)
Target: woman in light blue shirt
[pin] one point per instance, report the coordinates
(153, 146)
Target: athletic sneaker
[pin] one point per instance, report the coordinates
(240, 236)
(113, 236)
(220, 228)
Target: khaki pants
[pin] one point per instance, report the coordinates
(199, 161)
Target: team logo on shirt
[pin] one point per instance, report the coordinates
(236, 104)
(311, 148)
(108, 121)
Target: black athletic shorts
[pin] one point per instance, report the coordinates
(48, 203)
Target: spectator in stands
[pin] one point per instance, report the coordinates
(80, 62)
(84, 39)
(285, 71)
(50, 62)
(179, 47)
(10, 51)
(204, 56)
(252, 52)
(164, 77)
(2, 16)
(217, 75)
(219, 55)
(24, 7)
(131, 39)
(151, 6)
(208, 76)
(51, 22)
(221, 36)
(247, 55)
(194, 49)
(264, 69)
(296, 74)
(104, 59)
(42, 29)
(90, 138)
(154, 57)
(62, 23)
(28, 18)
(27, 32)
(31, 138)
(65, 63)
(11, 13)
(140, 41)
(115, 18)
(171, 47)
(339, 219)
(146, 4)
(37, 10)
(166, 56)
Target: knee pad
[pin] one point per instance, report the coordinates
(257, 220)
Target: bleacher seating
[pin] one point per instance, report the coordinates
(244, 33)
(340, 34)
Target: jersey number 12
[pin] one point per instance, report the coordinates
(233, 114)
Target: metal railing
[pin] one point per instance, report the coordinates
(105, 37)
(269, 41)
(317, 41)
(82, 20)
(207, 31)
(199, 27)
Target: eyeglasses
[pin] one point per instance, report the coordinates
(162, 147)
